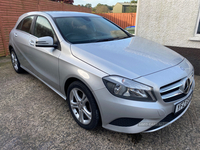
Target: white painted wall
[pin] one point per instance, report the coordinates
(168, 22)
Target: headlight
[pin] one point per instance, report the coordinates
(128, 89)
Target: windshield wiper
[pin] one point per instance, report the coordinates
(100, 40)
(111, 39)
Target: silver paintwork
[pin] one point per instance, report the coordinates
(134, 58)
(127, 57)
(169, 122)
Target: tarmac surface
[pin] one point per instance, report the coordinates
(32, 116)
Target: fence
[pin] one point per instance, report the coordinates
(10, 10)
(122, 19)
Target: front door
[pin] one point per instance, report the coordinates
(44, 60)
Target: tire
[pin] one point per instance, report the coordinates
(83, 106)
(15, 62)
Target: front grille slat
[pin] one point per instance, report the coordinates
(174, 91)
(172, 94)
(171, 87)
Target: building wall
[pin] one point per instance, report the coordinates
(117, 8)
(168, 22)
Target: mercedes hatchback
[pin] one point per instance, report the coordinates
(127, 83)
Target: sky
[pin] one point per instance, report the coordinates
(95, 2)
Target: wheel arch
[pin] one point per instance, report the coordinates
(10, 47)
(73, 79)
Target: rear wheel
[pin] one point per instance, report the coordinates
(15, 62)
(83, 105)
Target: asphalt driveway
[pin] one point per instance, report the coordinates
(32, 116)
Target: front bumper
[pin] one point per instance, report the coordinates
(149, 116)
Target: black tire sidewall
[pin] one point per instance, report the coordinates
(95, 112)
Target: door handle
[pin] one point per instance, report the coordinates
(31, 42)
(15, 34)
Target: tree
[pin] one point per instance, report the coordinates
(102, 9)
(88, 5)
(134, 1)
(110, 7)
(94, 10)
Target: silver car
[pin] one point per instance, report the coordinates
(108, 76)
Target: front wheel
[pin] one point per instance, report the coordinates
(83, 105)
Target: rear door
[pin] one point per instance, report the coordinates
(44, 60)
(22, 43)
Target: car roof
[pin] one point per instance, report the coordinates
(55, 14)
(68, 13)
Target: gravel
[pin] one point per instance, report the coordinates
(32, 116)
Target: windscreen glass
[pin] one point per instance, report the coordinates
(89, 29)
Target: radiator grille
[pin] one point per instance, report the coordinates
(177, 89)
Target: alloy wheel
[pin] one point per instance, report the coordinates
(80, 106)
(14, 61)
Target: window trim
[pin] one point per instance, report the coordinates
(197, 24)
(33, 25)
(196, 37)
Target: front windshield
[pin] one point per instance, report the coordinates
(88, 29)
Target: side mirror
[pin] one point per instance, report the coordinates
(46, 41)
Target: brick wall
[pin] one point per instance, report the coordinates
(10, 10)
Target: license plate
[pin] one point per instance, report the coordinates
(183, 104)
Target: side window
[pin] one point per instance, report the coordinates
(25, 24)
(20, 25)
(43, 28)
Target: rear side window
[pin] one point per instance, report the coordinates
(20, 25)
(43, 28)
(25, 24)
